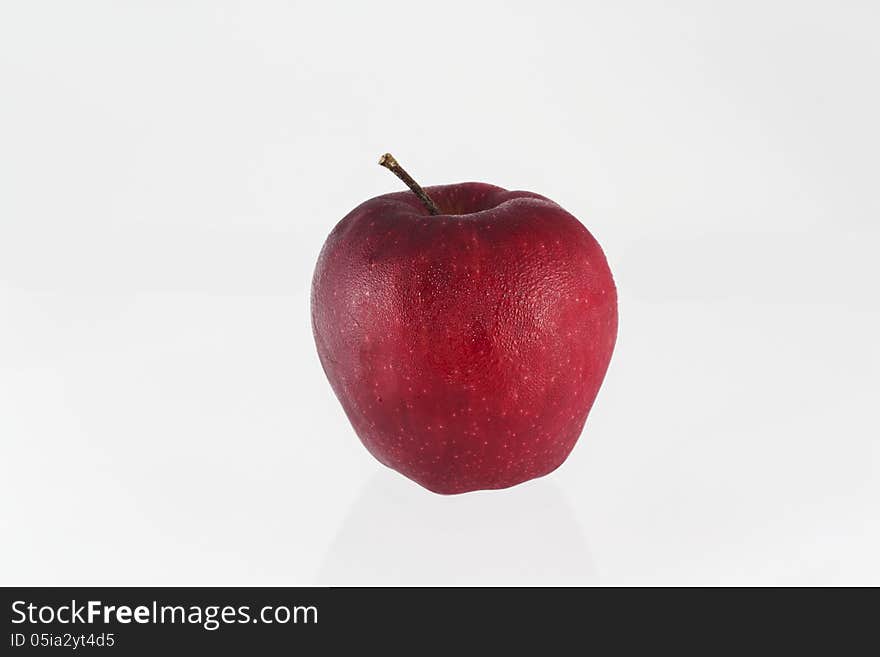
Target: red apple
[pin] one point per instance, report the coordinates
(466, 347)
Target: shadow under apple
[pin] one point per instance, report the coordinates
(399, 534)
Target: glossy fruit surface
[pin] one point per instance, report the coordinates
(466, 348)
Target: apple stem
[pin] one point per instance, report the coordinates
(391, 164)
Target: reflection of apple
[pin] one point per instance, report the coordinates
(529, 536)
(466, 347)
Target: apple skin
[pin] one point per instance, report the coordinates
(466, 348)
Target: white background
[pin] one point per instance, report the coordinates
(169, 171)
